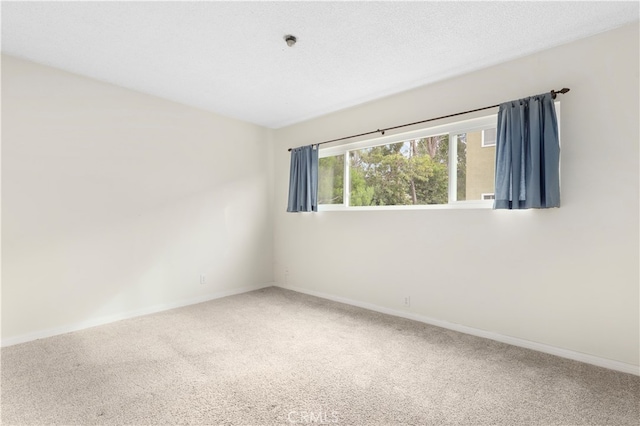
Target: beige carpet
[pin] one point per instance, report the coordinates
(274, 356)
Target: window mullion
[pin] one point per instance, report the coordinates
(346, 191)
(453, 164)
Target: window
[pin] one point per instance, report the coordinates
(489, 137)
(438, 166)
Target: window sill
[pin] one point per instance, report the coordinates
(482, 205)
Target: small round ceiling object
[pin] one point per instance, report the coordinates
(290, 39)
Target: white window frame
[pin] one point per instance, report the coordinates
(453, 129)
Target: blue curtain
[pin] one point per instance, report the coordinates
(303, 179)
(527, 154)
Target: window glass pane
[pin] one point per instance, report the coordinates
(461, 168)
(331, 180)
(479, 168)
(411, 172)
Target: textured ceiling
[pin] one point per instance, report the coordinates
(230, 57)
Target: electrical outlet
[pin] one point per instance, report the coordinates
(406, 301)
(203, 279)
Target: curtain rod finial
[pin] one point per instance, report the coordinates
(561, 91)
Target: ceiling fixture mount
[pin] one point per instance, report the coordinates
(290, 39)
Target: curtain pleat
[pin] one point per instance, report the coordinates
(303, 179)
(527, 154)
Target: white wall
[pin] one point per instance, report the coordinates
(567, 277)
(114, 202)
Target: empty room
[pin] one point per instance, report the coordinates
(350, 213)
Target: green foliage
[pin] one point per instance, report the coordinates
(430, 179)
(331, 180)
(461, 168)
(404, 173)
(361, 194)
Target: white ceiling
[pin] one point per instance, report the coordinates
(231, 58)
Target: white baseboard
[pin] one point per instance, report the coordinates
(515, 341)
(125, 315)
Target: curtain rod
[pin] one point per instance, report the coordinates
(554, 93)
